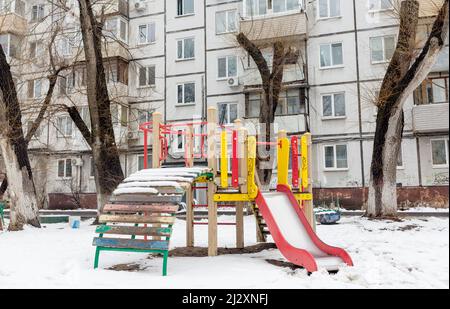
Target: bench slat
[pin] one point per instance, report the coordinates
(142, 198)
(163, 208)
(136, 219)
(131, 243)
(134, 230)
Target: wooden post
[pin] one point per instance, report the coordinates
(212, 164)
(283, 158)
(189, 191)
(242, 155)
(156, 151)
(156, 143)
(306, 177)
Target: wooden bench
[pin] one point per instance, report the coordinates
(156, 220)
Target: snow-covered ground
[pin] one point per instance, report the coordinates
(409, 254)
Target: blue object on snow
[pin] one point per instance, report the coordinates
(328, 216)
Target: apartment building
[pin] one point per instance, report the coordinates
(181, 56)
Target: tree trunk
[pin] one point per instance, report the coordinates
(21, 189)
(108, 171)
(399, 83)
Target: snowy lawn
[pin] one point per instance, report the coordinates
(409, 254)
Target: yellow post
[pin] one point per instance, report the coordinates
(306, 181)
(242, 155)
(251, 167)
(156, 144)
(283, 158)
(189, 192)
(223, 159)
(212, 164)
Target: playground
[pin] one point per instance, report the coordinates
(270, 239)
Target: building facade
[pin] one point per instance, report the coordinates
(180, 57)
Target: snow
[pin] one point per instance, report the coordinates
(409, 254)
(135, 190)
(150, 184)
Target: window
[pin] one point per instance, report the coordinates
(147, 76)
(291, 102)
(35, 89)
(331, 55)
(333, 105)
(254, 105)
(382, 48)
(67, 83)
(186, 93)
(10, 44)
(116, 28)
(284, 5)
(255, 7)
(92, 171)
(147, 33)
(65, 168)
(329, 8)
(141, 162)
(37, 12)
(36, 50)
(179, 141)
(226, 22)
(400, 157)
(228, 112)
(116, 71)
(227, 67)
(380, 5)
(335, 157)
(440, 152)
(64, 126)
(185, 7)
(185, 49)
(9, 6)
(144, 116)
(64, 47)
(432, 90)
(86, 116)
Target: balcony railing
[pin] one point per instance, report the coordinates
(13, 23)
(266, 28)
(429, 118)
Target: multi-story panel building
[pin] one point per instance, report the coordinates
(179, 57)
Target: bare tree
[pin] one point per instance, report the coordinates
(271, 87)
(404, 74)
(101, 139)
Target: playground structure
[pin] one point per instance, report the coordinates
(230, 180)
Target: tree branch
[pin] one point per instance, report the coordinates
(81, 125)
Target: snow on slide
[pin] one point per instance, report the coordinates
(294, 236)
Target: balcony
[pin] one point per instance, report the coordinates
(110, 49)
(13, 23)
(266, 28)
(112, 7)
(429, 118)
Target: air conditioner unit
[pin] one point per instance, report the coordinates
(77, 162)
(133, 135)
(233, 82)
(140, 5)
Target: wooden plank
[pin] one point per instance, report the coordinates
(163, 208)
(212, 164)
(131, 243)
(136, 219)
(189, 219)
(134, 230)
(143, 198)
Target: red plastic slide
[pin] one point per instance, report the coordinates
(294, 236)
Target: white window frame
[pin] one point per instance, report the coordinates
(176, 142)
(40, 11)
(227, 21)
(333, 113)
(378, 8)
(226, 67)
(446, 140)
(35, 94)
(183, 87)
(328, 10)
(138, 157)
(383, 46)
(118, 26)
(147, 85)
(335, 168)
(332, 66)
(59, 132)
(228, 117)
(183, 40)
(183, 13)
(147, 41)
(65, 168)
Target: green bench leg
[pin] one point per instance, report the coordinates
(97, 256)
(165, 258)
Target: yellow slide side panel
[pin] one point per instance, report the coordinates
(304, 151)
(224, 160)
(252, 189)
(283, 161)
